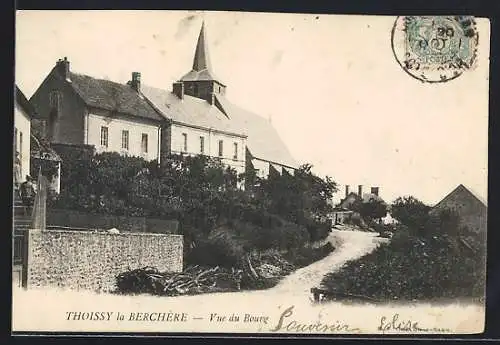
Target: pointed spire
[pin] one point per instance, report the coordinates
(201, 59)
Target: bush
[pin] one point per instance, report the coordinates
(318, 230)
(282, 235)
(411, 268)
(411, 212)
(305, 256)
(220, 249)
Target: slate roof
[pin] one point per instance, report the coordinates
(190, 111)
(24, 103)
(461, 189)
(263, 140)
(199, 75)
(109, 95)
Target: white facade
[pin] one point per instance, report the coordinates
(187, 140)
(261, 168)
(110, 135)
(22, 137)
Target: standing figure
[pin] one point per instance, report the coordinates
(17, 171)
(28, 192)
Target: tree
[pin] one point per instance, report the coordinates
(373, 210)
(411, 212)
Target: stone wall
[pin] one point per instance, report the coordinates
(92, 260)
(77, 219)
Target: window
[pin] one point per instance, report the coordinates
(55, 99)
(184, 142)
(235, 155)
(125, 140)
(104, 136)
(221, 148)
(202, 145)
(144, 143)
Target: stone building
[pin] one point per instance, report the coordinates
(471, 209)
(192, 118)
(82, 110)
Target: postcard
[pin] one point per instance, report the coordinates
(249, 173)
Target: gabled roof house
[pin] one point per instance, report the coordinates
(471, 208)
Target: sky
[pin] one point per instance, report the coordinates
(329, 84)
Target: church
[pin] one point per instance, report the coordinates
(193, 118)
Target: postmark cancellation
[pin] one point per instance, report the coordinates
(435, 49)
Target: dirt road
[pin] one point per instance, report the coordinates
(349, 245)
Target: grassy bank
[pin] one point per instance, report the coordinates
(412, 268)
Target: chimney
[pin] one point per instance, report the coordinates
(178, 89)
(136, 81)
(63, 68)
(346, 190)
(374, 190)
(360, 191)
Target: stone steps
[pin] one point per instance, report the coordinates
(22, 214)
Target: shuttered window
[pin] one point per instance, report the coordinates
(144, 143)
(125, 140)
(202, 145)
(221, 148)
(104, 136)
(184, 142)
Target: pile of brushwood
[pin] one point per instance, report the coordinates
(193, 280)
(255, 271)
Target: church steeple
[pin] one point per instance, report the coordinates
(201, 58)
(201, 82)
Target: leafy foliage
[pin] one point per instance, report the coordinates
(302, 199)
(370, 210)
(426, 258)
(411, 212)
(202, 193)
(49, 168)
(222, 224)
(411, 268)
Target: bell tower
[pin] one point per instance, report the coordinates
(200, 82)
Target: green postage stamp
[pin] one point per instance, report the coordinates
(435, 48)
